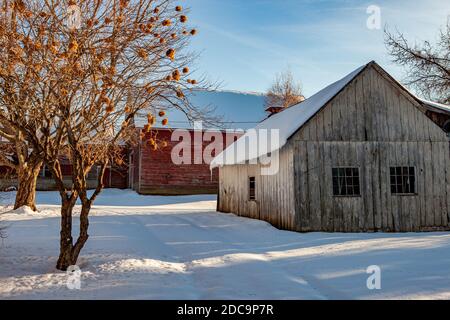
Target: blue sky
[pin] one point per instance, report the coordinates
(244, 43)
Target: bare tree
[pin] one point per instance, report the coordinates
(428, 65)
(18, 85)
(117, 59)
(284, 92)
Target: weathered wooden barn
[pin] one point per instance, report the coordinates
(358, 156)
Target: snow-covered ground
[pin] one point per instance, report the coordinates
(144, 247)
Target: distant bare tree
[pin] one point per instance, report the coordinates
(284, 92)
(428, 64)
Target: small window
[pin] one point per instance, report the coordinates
(403, 180)
(251, 188)
(346, 182)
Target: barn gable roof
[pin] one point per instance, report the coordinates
(292, 119)
(288, 122)
(429, 105)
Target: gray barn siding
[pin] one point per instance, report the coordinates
(274, 194)
(372, 124)
(376, 209)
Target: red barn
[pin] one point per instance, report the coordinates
(154, 172)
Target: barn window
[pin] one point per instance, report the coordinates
(346, 182)
(403, 180)
(251, 188)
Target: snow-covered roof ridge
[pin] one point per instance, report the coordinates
(229, 110)
(250, 93)
(287, 122)
(436, 105)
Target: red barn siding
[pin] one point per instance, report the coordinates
(134, 166)
(66, 169)
(159, 175)
(115, 178)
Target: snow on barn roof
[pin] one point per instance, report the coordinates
(435, 105)
(234, 110)
(291, 120)
(287, 122)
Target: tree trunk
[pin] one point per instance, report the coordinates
(26, 190)
(84, 226)
(68, 254)
(66, 240)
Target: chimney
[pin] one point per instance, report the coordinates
(277, 109)
(274, 110)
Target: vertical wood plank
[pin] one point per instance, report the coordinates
(427, 154)
(327, 189)
(313, 184)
